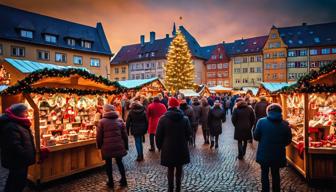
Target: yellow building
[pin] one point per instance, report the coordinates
(44, 39)
(275, 54)
(119, 72)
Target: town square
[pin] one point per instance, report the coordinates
(144, 95)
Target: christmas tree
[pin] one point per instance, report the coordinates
(179, 70)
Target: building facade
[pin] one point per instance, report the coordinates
(30, 36)
(218, 70)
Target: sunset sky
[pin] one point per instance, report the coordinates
(210, 21)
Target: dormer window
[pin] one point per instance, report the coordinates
(50, 38)
(71, 42)
(26, 34)
(140, 56)
(147, 54)
(86, 44)
(152, 54)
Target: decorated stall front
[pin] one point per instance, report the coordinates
(65, 106)
(268, 90)
(147, 87)
(310, 108)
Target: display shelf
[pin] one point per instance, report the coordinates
(70, 145)
(322, 150)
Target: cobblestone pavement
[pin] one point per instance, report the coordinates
(209, 170)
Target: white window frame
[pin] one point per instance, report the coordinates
(60, 55)
(50, 38)
(95, 62)
(26, 34)
(77, 58)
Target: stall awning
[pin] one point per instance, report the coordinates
(136, 83)
(189, 93)
(27, 66)
(220, 88)
(272, 87)
(3, 87)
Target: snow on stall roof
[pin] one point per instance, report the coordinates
(27, 66)
(131, 84)
(253, 89)
(276, 86)
(189, 93)
(219, 88)
(3, 87)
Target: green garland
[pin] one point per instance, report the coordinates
(24, 84)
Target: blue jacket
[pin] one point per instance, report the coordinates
(273, 135)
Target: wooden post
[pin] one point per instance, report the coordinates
(306, 136)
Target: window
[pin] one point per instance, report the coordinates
(71, 42)
(303, 64)
(259, 79)
(325, 51)
(303, 52)
(236, 70)
(116, 70)
(259, 58)
(281, 54)
(225, 65)
(268, 76)
(274, 55)
(220, 56)
(245, 60)
(291, 76)
(78, 60)
(238, 60)
(282, 66)
(258, 70)
(274, 45)
(251, 69)
(268, 66)
(273, 35)
(225, 74)
(1, 50)
(18, 51)
(95, 62)
(251, 59)
(26, 34)
(42, 55)
(333, 50)
(313, 52)
(281, 76)
(60, 57)
(219, 66)
(274, 66)
(291, 54)
(213, 66)
(213, 57)
(152, 54)
(226, 83)
(291, 64)
(275, 76)
(211, 74)
(208, 67)
(140, 56)
(245, 70)
(50, 38)
(267, 56)
(245, 80)
(237, 80)
(147, 54)
(219, 74)
(314, 64)
(86, 44)
(123, 70)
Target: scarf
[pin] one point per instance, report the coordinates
(23, 121)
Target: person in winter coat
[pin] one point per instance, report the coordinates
(137, 122)
(233, 102)
(17, 144)
(210, 101)
(172, 137)
(163, 100)
(243, 119)
(112, 140)
(273, 134)
(154, 111)
(205, 108)
(196, 106)
(215, 119)
(260, 108)
(188, 111)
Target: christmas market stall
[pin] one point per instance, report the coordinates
(65, 105)
(268, 90)
(203, 91)
(188, 93)
(147, 87)
(310, 108)
(220, 89)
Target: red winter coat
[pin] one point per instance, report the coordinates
(112, 136)
(154, 111)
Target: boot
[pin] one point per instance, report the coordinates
(123, 182)
(212, 144)
(140, 158)
(110, 184)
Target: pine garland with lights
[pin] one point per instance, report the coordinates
(179, 70)
(24, 85)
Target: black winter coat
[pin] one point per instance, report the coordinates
(215, 119)
(273, 135)
(260, 110)
(137, 121)
(172, 135)
(204, 113)
(196, 106)
(189, 112)
(17, 145)
(243, 119)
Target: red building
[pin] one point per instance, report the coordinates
(218, 68)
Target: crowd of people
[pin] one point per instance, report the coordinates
(171, 122)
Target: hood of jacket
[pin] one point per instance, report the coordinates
(174, 114)
(137, 108)
(111, 115)
(274, 116)
(217, 111)
(184, 106)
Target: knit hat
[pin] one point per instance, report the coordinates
(18, 108)
(108, 107)
(173, 102)
(274, 107)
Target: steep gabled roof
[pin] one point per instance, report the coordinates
(12, 20)
(248, 46)
(309, 35)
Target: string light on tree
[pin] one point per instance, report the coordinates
(179, 70)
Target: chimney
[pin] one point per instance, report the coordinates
(167, 36)
(304, 24)
(142, 40)
(152, 37)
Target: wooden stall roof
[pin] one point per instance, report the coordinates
(203, 90)
(139, 83)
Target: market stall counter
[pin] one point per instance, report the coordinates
(310, 108)
(65, 106)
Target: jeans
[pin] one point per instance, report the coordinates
(151, 140)
(138, 145)
(178, 177)
(242, 144)
(17, 180)
(108, 167)
(275, 178)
